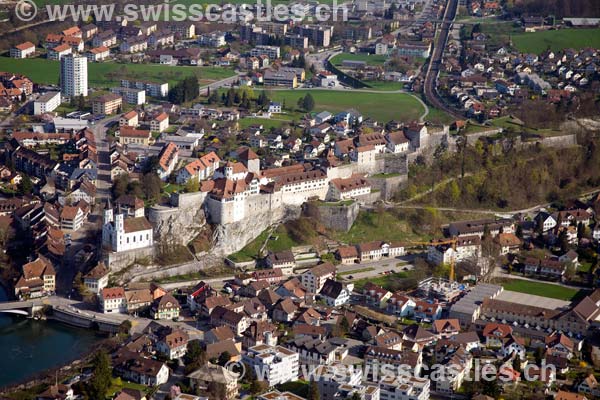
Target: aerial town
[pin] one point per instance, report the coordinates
(397, 201)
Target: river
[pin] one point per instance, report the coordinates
(28, 347)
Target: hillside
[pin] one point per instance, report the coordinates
(558, 8)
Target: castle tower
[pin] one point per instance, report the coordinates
(107, 214)
(229, 170)
(119, 223)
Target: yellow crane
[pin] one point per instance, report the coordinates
(451, 242)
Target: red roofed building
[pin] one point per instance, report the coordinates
(22, 50)
(167, 160)
(113, 300)
(37, 279)
(348, 188)
(200, 169)
(160, 123)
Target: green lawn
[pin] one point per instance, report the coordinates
(541, 289)
(280, 240)
(537, 42)
(102, 75)
(266, 123)
(373, 226)
(385, 86)
(440, 117)
(385, 281)
(370, 59)
(380, 106)
(356, 271)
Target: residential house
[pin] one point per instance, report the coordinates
(314, 278)
(165, 307)
(38, 278)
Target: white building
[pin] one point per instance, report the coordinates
(336, 293)
(22, 50)
(467, 247)
(97, 279)
(131, 96)
(273, 52)
(277, 364)
(73, 76)
(404, 388)
(160, 123)
(348, 188)
(46, 103)
(174, 344)
(113, 300)
(152, 89)
(123, 234)
(167, 160)
(314, 278)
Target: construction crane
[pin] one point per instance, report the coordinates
(451, 242)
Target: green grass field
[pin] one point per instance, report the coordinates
(385, 86)
(370, 59)
(537, 42)
(385, 281)
(280, 240)
(541, 289)
(102, 75)
(266, 123)
(380, 106)
(373, 226)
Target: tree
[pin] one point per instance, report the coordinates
(519, 231)
(120, 185)
(454, 192)
(192, 185)
(516, 364)
(125, 327)
(152, 186)
(80, 102)
(580, 230)
(355, 396)
(25, 186)
(256, 386)
(313, 391)
(98, 385)
(224, 358)
(308, 103)
(563, 240)
(213, 98)
(263, 99)
(491, 388)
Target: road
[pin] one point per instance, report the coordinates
(430, 87)
(387, 264)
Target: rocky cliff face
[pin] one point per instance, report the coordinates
(178, 224)
(230, 238)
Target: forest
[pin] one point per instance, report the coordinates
(557, 8)
(494, 174)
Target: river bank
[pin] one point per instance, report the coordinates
(30, 349)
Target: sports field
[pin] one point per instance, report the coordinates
(541, 289)
(102, 75)
(537, 42)
(380, 106)
(370, 59)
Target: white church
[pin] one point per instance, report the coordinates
(123, 234)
